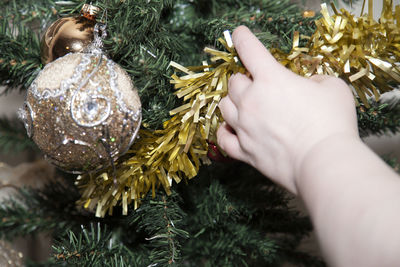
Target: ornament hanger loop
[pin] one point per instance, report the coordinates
(105, 14)
(96, 46)
(99, 34)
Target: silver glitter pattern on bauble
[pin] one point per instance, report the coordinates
(88, 106)
(83, 119)
(65, 84)
(23, 116)
(118, 93)
(91, 95)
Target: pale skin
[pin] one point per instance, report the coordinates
(302, 133)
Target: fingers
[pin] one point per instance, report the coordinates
(229, 111)
(253, 54)
(238, 84)
(229, 142)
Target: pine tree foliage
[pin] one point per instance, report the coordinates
(206, 223)
(13, 136)
(95, 246)
(144, 36)
(19, 55)
(381, 118)
(236, 217)
(230, 215)
(221, 237)
(160, 218)
(392, 162)
(31, 211)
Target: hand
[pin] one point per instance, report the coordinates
(275, 117)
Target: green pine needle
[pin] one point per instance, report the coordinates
(13, 138)
(381, 118)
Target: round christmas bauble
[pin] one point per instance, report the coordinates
(82, 111)
(70, 34)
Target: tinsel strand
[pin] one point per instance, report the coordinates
(175, 152)
(360, 50)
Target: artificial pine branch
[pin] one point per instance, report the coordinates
(137, 20)
(27, 7)
(272, 28)
(13, 138)
(145, 50)
(381, 118)
(218, 235)
(240, 220)
(392, 162)
(265, 206)
(19, 40)
(19, 56)
(31, 211)
(140, 43)
(95, 246)
(214, 8)
(232, 194)
(161, 219)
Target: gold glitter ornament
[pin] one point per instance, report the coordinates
(70, 34)
(82, 111)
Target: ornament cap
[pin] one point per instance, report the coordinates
(89, 11)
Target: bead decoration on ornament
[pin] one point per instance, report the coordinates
(83, 110)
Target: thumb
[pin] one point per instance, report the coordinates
(253, 54)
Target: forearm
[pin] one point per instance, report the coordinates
(352, 196)
(354, 201)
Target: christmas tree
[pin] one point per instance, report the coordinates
(229, 214)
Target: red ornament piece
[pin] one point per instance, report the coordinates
(215, 154)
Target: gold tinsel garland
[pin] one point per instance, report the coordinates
(161, 156)
(361, 51)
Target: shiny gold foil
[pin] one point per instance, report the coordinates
(308, 14)
(360, 50)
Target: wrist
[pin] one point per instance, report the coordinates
(347, 189)
(321, 155)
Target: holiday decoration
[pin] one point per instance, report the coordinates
(250, 220)
(341, 46)
(216, 154)
(82, 111)
(361, 51)
(175, 152)
(70, 34)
